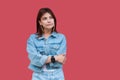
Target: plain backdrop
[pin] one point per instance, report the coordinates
(92, 29)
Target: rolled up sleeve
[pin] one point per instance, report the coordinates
(34, 56)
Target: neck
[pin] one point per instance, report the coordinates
(47, 33)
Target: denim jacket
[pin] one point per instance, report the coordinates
(39, 49)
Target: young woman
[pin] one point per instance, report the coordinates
(46, 48)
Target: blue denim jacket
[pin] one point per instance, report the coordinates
(40, 48)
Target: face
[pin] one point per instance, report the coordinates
(47, 21)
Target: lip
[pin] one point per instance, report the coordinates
(48, 24)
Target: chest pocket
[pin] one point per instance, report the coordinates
(54, 47)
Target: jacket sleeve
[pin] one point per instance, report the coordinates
(34, 56)
(62, 50)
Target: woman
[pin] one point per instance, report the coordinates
(46, 48)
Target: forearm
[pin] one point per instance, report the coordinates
(48, 60)
(58, 58)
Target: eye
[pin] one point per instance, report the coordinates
(44, 18)
(51, 17)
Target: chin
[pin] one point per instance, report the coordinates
(49, 27)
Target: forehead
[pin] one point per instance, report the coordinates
(46, 15)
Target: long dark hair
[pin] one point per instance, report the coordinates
(41, 12)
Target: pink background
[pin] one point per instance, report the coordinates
(92, 28)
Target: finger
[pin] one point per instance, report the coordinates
(64, 60)
(63, 54)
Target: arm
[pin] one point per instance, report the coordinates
(35, 57)
(62, 49)
(61, 54)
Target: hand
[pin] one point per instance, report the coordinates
(60, 58)
(64, 60)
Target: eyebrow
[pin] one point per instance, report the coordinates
(46, 17)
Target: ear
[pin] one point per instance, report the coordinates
(40, 23)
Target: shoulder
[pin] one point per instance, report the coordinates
(32, 36)
(60, 35)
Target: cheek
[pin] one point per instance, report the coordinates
(53, 21)
(43, 22)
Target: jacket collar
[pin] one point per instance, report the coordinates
(53, 34)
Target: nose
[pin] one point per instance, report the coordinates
(48, 20)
